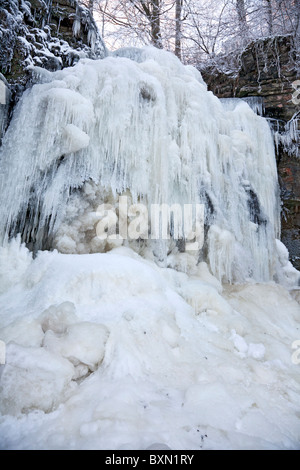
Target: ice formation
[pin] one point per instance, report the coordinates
(4, 105)
(256, 103)
(146, 127)
(289, 136)
(144, 346)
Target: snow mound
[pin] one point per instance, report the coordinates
(110, 351)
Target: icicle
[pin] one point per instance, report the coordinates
(92, 38)
(4, 105)
(76, 27)
(287, 134)
(256, 103)
(145, 128)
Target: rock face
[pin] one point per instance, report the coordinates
(289, 174)
(48, 34)
(269, 70)
(44, 33)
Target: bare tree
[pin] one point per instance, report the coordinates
(195, 30)
(178, 28)
(139, 18)
(205, 28)
(152, 10)
(242, 19)
(269, 8)
(91, 6)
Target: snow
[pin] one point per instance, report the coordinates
(2, 93)
(119, 343)
(24, 29)
(106, 351)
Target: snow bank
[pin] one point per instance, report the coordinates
(109, 351)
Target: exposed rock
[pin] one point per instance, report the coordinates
(51, 35)
(267, 68)
(289, 175)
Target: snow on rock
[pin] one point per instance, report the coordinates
(254, 350)
(75, 139)
(286, 273)
(45, 34)
(32, 378)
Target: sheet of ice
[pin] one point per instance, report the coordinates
(147, 127)
(256, 103)
(110, 351)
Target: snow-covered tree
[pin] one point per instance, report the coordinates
(242, 19)
(132, 21)
(195, 30)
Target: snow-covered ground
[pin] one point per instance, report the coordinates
(110, 351)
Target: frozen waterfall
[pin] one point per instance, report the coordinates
(140, 124)
(140, 346)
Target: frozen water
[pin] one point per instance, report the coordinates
(149, 129)
(138, 346)
(4, 105)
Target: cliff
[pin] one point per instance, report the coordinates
(51, 35)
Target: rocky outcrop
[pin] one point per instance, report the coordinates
(48, 34)
(44, 33)
(268, 70)
(289, 177)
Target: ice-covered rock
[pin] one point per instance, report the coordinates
(42, 33)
